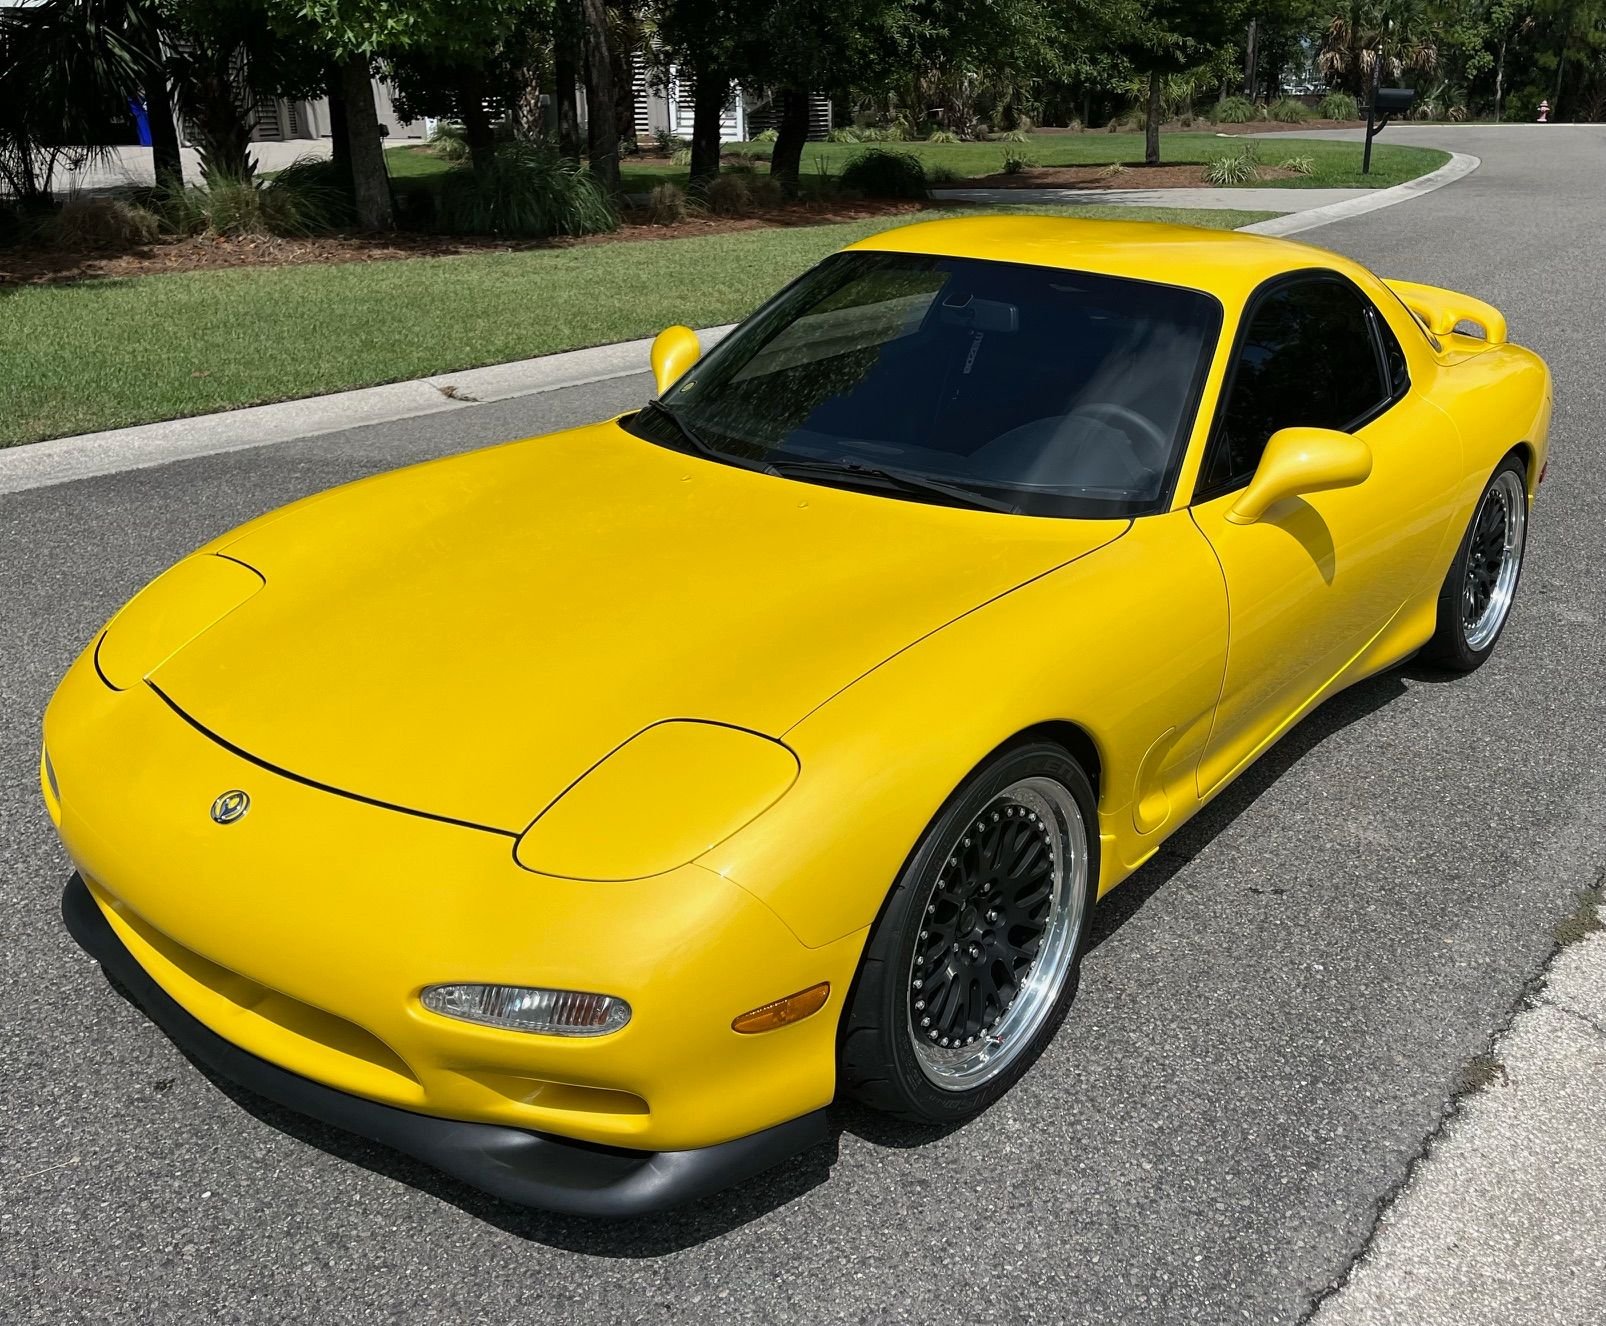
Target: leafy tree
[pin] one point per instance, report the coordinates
(353, 35)
(1169, 37)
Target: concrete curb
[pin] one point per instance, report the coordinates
(40, 464)
(1459, 166)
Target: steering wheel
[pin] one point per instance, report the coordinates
(1152, 445)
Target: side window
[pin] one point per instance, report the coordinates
(1307, 359)
(1393, 358)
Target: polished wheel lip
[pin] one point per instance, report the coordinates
(1494, 560)
(966, 1067)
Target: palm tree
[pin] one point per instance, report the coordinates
(66, 67)
(1400, 29)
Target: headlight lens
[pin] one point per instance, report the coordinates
(522, 1008)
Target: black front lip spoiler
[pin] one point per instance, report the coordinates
(529, 1169)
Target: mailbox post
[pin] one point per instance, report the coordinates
(1386, 102)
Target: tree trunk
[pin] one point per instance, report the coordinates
(165, 154)
(221, 118)
(711, 92)
(1151, 125)
(786, 160)
(565, 75)
(478, 131)
(1499, 80)
(370, 182)
(624, 85)
(602, 128)
(339, 135)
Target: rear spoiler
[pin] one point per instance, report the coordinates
(1442, 311)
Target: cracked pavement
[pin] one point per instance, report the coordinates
(1274, 1019)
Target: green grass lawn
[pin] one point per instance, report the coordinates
(1337, 164)
(103, 354)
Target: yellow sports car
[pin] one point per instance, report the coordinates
(584, 814)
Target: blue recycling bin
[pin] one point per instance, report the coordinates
(142, 121)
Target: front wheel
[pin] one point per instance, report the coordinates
(973, 963)
(1482, 582)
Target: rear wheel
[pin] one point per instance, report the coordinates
(973, 963)
(1482, 582)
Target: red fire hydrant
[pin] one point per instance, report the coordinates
(1544, 112)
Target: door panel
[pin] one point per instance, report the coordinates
(1317, 578)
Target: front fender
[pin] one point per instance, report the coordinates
(1128, 643)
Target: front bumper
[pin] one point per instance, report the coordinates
(528, 1168)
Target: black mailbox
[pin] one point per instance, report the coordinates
(1393, 100)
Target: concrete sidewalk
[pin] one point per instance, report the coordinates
(1500, 1221)
(1246, 200)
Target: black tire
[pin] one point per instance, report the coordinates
(1452, 647)
(878, 1062)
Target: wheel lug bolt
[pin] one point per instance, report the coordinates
(919, 1004)
(918, 982)
(925, 1022)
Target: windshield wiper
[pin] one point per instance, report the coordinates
(694, 439)
(902, 480)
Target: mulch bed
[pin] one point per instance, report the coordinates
(51, 266)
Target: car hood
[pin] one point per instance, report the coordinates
(465, 638)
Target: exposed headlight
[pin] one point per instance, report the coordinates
(521, 1008)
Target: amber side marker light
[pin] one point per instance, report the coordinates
(784, 1012)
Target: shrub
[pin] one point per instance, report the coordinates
(765, 191)
(1457, 113)
(1234, 167)
(768, 136)
(666, 205)
(667, 143)
(1121, 123)
(843, 136)
(1299, 165)
(1112, 170)
(942, 173)
(882, 174)
(299, 200)
(942, 136)
(448, 142)
(1015, 136)
(1338, 106)
(1235, 110)
(729, 195)
(681, 156)
(1016, 162)
(1288, 111)
(527, 191)
(322, 191)
(95, 223)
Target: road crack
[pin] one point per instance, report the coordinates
(1567, 932)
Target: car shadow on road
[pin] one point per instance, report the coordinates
(711, 1217)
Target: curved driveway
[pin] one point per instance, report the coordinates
(1274, 1020)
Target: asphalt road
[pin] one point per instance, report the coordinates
(1270, 1027)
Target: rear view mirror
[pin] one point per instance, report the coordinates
(674, 350)
(1301, 460)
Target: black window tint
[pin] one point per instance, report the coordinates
(1393, 358)
(1307, 360)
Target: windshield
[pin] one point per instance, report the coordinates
(1039, 389)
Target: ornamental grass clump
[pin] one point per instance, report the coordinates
(882, 174)
(527, 192)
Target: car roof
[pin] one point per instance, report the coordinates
(1224, 263)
